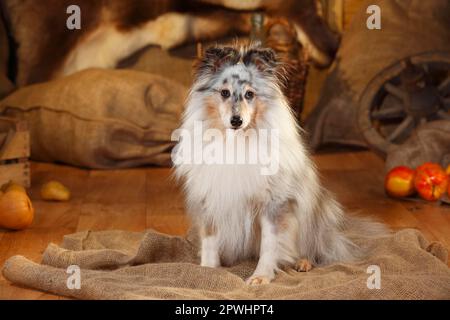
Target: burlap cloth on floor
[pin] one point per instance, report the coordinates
(150, 265)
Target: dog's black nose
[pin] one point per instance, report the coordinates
(236, 121)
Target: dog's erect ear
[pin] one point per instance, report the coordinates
(264, 59)
(215, 58)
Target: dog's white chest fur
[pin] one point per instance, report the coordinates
(228, 194)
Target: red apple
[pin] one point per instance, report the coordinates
(399, 182)
(431, 181)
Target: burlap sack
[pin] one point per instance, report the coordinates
(150, 265)
(408, 28)
(100, 118)
(429, 143)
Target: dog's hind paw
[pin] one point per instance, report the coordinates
(302, 265)
(257, 280)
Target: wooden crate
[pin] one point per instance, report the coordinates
(14, 151)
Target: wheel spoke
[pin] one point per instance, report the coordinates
(401, 129)
(443, 115)
(444, 87)
(388, 113)
(395, 91)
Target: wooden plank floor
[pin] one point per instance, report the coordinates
(137, 199)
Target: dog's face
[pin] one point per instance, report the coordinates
(236, 84)
(235, 97)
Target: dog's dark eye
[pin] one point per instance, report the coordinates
(249, 95)
(225, 93)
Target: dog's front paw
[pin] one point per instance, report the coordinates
(303, 265)
(258, 280)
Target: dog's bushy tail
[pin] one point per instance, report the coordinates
(333, 236)
(357, 233)
(357, 227)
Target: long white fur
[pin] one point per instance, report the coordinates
(278, 218)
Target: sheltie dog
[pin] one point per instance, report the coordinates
(284, 218)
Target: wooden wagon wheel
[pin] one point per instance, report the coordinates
(404, 96)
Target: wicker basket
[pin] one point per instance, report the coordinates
(281, 36)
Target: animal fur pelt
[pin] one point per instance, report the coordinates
(111, 30)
